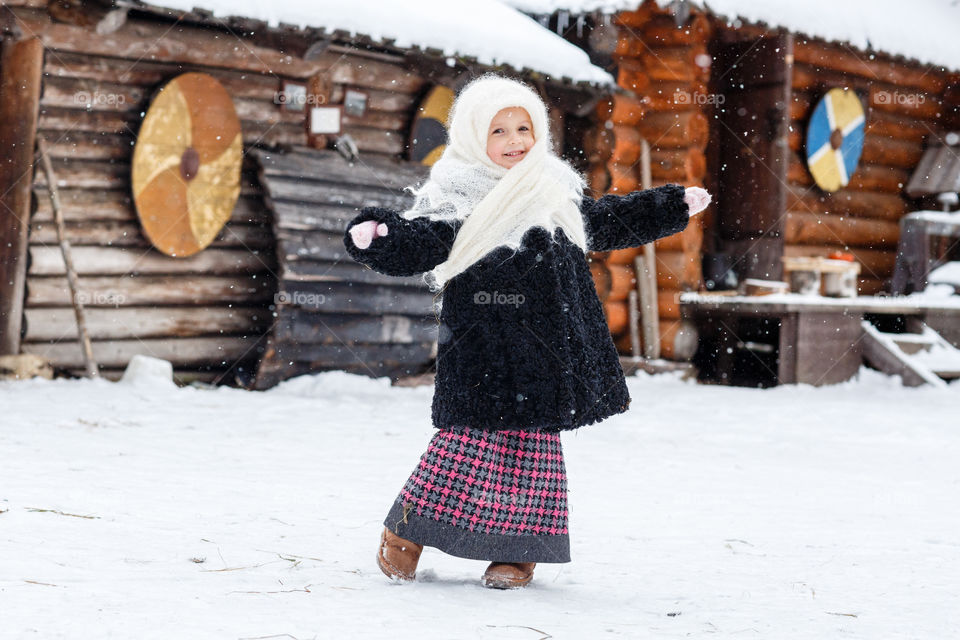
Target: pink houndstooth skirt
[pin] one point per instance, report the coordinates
(488, 495)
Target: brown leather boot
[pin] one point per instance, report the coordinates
(397, 557)
(508, 575)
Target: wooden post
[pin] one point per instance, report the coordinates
(21, 67)
(82, 333)
(646, 268)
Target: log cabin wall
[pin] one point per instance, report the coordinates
(207, 314)
(905, 111)
(666, 68)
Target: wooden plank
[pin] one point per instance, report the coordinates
(330, 166)
(369, 360)
(147, 322)
(134, 290)
(117, 205)
(299, 190)
(828, 347)
(182, 352)
(294, 268)
(353, 297)
(47, 261)
(128, 234)
(21, 65)
(303, 327)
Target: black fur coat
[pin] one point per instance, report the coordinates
(523, 343)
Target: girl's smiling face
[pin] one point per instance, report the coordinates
(510, 136)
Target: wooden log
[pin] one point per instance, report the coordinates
(688, 241)
(631, 75)
(353, 297)
(292, 189)
(377, 141)
(126, 234)
(623, 256)
(676, 270)
(678, 340)
(675, 129)
(148, 322)
(875, 262)
(627, 110)
(88, 145)
(675, 64)
(622, 281)
(626, 145)
(141, 39)
(662, 30)
(91, 72)
(66, 253)
(329, 166)
(117, 205)
(112, 291)
(46, 261)
(617, 316)
(876, 67)
(890, 152)
(871, 177)
(21, 64)
(298, 326)
(892, 125)
(293, 267)
(677, 96)
(681, 165)
(623, 178)
(598, 178)
(808, 228)
(289, 359)
(668, 304)
(180, 351)
(847, 201)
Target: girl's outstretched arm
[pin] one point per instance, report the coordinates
(618, 222)
(399, 247)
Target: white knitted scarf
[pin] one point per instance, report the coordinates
(497, 205)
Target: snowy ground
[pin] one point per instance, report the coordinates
(792, 512)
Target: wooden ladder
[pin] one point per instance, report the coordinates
(918, 358)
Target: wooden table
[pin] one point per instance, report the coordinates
(792, 338)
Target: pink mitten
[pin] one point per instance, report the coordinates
(365, 232)
(697, 199)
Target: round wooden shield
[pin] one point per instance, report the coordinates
(835, 138)
(186, 164)
(428, 136)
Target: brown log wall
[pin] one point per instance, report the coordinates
(208, 314)
(665, 68)
(905, 111)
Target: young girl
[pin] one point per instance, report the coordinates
(524, 352)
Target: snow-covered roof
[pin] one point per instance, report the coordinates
(924, 30)
(487, 30)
